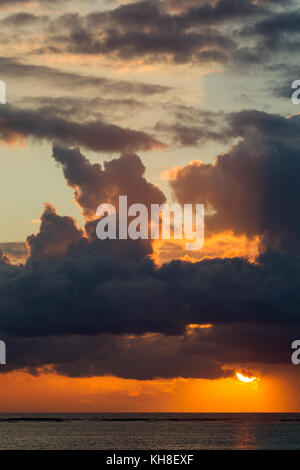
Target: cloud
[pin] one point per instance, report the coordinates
(23, 19)
(278, 32)
(142, 30)
(160, 46)
(93, 135)
(80, 315)
(94, 185)
(253, 188)
(13, 68)
(208, 353)
(21, 2)
(92, 291)
(169, 32)
(89, 307)
(186, 135)
(112, 109)
(55, 235)
(14, 251)
(154, 14)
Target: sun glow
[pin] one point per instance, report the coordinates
(245, 379)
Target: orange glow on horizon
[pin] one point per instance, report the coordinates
(50, 392)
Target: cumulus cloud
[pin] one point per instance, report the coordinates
(94, 185)
(72, 313)
(253, 188)
(91, 307)
(55, 235)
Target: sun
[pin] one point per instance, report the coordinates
(245, 379)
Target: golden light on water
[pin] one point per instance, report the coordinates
(245, 379)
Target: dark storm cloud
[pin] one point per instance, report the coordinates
(134, 358)
(76, 300)
(99, 291)
(75, 284)
(72, 312)
(94, 135)
(84, 305)
(199, 354)
(253, 187)
(55, 235)
(12, 68)
(94, 185)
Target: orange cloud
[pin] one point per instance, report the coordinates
(220, 245)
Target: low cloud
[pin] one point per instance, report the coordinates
(93, 135)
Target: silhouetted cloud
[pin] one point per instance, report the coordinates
(93, 135)
(84, 305)
(253, 188)
(94, 185)
(72, 312)
(90, 307)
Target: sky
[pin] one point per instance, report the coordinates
(177, 101)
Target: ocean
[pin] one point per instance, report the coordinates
(122, 431)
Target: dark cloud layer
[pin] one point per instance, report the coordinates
(234, 32)
(146, 30)
(71, 312)
(92, 307)
(253, 188)
(99, 292)
(93, 135)
(77, 301)
(198, 354)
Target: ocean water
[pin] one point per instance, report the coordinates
(121, 431)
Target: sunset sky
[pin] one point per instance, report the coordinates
(184, 101)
